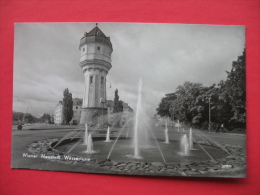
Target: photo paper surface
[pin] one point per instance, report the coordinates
(130, 98)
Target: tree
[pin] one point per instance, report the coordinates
(225, 101)
(182, 107)
(46, 118)
(117, 109)
(67, 106)
(164, 107)
(235, 88)
(18, 116)
(118, 104)
(25, 117)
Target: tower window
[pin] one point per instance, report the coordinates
(83, 49)
(102, 80)
(98, 48)
(91, 79)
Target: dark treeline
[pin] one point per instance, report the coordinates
(190, 102)
(20, 117)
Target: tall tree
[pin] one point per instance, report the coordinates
(118, 104)
(236, 90)
(67, 106)
(117, 109)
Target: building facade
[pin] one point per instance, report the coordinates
(58, 112)
(95, 61)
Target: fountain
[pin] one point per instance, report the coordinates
(185, 146)
(90, 145)
(136, 129)
(191, 139)
(85, 142)
(140, 131)
(137, 141)
(126, 151)
(166, 133)
(108, 135)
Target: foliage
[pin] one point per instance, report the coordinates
(236, 89)
(118, 104)
(164, 106)
(67, 106)
(47, 118)
(24, 117)
(18, 116)
(117, 109)
(223, 103)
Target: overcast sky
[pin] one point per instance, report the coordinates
(46, 60)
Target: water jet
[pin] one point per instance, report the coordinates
(166, 134)
(85, 142)
(108, 135)
(185, 146)
(191, 139)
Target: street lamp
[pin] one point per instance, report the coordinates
(102, 101)
(209, 115)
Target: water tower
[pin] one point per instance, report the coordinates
(95, 60)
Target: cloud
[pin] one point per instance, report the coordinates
(163, 55)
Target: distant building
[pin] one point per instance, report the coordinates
(126, 115)
(58, 113)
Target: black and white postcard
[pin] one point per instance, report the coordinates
(130, 98)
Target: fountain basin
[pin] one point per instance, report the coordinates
(190, 167)
(124, 149)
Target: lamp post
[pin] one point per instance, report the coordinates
(102, 101)
(208, 98)
(108, 113)
(209, 115)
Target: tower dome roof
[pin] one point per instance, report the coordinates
(95, 35)
(96, 32)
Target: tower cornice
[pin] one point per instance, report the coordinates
(95, 64)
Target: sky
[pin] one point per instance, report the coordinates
(163, 56)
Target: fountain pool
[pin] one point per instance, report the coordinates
(125, 147)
